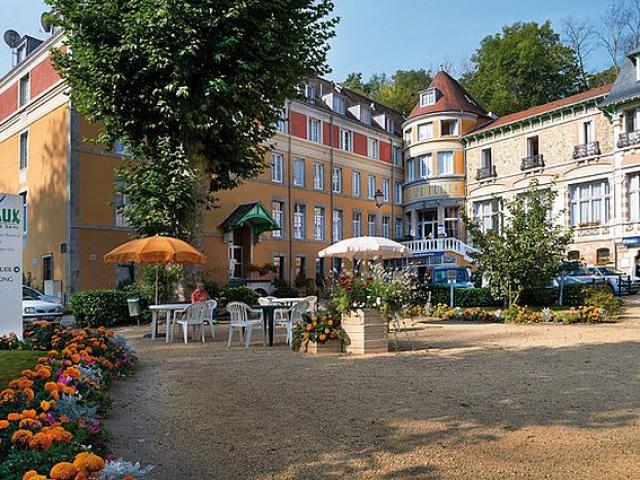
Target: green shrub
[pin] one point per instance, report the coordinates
(239, 294)
(605, 300)
(475, 297)
(574, 295)
(146, 293)
(100, 307)
(539, 297)
(285, 292)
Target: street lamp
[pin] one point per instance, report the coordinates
(379, 196)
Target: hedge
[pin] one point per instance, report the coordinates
(100, 307)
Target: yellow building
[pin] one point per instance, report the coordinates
(434, 189)
(334, 150)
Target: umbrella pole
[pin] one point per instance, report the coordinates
(156, 284)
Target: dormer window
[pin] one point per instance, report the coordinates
(391, 125)
(428, 97)
(365, 115)
(310, 92)
(339, 105)
(21, 53)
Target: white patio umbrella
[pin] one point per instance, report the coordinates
(365, 248)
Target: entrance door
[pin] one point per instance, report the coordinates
(428, 223)
(235, 261)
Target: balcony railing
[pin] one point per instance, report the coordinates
(629, 139)
(428, 246)
(533, 161)
(589, 149)
(486, 172)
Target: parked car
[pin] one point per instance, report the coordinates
(599, 275)
(37, 306)
(440, 276)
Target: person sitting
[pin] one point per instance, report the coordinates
(199, 295)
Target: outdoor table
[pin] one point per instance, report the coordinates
(268, 312)
(170, 310)
(288, 302)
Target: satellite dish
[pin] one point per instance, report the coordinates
(45, 21)
(12, 38)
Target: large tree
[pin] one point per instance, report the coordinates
(523, 66)
(399, 91)
(526, 251)
(192, 87)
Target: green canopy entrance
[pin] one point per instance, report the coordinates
(251, 214)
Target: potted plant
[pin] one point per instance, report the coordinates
(319, 332)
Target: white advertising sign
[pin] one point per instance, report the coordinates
(11, 264)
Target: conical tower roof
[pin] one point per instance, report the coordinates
(450, 97)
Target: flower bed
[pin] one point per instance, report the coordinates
(50, 417)
(520, 314)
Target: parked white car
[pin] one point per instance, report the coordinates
(37, 306)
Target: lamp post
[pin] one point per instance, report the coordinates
(379, 201)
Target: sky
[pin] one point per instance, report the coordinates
(376, 36)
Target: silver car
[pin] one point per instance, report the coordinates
(37, 306)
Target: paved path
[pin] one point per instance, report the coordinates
(461, 401)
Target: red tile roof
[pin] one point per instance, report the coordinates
(452, 97)
(547, 107)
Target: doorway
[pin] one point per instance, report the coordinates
(428, 223)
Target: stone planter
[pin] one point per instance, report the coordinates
(366, 332)
(331, 346)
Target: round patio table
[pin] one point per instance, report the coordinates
(268, 313)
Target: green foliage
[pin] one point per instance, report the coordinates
(604, 299)
(603, 77)
(99, 307)
(323, 326)
(539, 297)
(18, 462)
(12, 363)
(285, 291)
(200, 107)
(526, 251)
(463, 297)
(575, 294)
(400, 91)
(239, 294)
(145, 292)
(523, 66)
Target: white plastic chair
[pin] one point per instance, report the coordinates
(209, 315)
(292, 317)
(313, 302)
(239, 319)
(194, 316)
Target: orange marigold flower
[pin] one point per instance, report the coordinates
(4, 424)
(29, 394)
(88, 462)
(31, 413)
(33, 475)
(21, 437)
(51, 387)
(46, 406)
(40, 441)
(13, 416)
(63, 471)
(53, 353)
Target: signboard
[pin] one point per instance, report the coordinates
(11, 264)
(631, 241)
(427, 254)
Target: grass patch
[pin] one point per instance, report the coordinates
(12, 362)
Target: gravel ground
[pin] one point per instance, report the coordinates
(459, 401)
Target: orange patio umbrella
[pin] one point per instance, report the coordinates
(156, 250)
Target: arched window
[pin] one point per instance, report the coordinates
(602, 256)
(573, 255)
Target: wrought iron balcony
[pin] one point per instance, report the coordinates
(589, 149)
(486, 172)
(534, 161)
(629, 139)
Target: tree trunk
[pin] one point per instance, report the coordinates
(194, 221)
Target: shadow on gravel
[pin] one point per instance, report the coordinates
(277, 415)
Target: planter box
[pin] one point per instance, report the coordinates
(366, 332)
(332, 346)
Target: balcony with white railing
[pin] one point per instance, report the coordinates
(430, 246)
